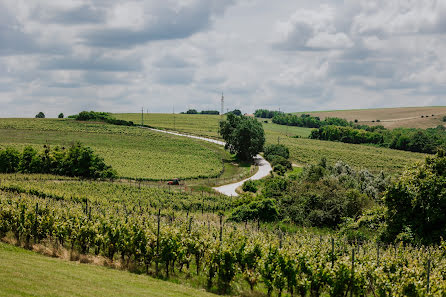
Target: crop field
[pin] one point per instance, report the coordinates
(25, 273)
(407, 117)
(132, 151)
(190, 249)
(302, 150)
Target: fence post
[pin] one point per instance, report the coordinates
(428, 274)
(157, 242)
(353, 271)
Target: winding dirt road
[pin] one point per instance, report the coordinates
(229, 190)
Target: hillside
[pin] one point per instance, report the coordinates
(133, 152)
(408, 117)
(302, 150)
(25, 273)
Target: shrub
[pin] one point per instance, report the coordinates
(250, 186)
(264, 210)
(78, 161)
(276, 150)
(9, 160)
(40, 115)
(274, 187)
(279, 160)
(192, 111)
(444, 118)
(356, 120)
(60, 116)
(416, 203)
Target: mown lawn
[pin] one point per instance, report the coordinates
(25, 273)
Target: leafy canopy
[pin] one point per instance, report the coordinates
(244, 136)
(416, 203)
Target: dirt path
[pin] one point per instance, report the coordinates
(229, 190)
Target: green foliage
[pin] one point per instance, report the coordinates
(250, 186)
(60, 116)
(414, 140)
(444, 118)
(9, 160)
(306, 120)
(276, 150)
(266, 114)
(76, 161)
(214, 112)
(100, 116)
(274, 187)
(416, 203)
(192, 111)
(40, 115)
(244, 136)
(264, 210)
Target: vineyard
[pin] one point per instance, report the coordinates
(198, 246)
(302, 149)
(133, 152)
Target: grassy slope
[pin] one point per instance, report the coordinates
(302, 150)
(391, 117)
(133, 152)
(24, 273)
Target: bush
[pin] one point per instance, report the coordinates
(40, 115)
(249, 186)
(444, 119)
(60, 116)
(276, 150)
(100, 116)
(264, 210)
(77, 161)
(9, 160)
(274, 187)
(279, 160)
(416, 203)
(192, 111)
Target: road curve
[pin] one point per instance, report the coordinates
(229, 190)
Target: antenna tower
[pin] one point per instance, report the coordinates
(222, 104)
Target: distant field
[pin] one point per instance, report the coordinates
(132, 151)
(204, 125)
(25, 273)
(409, 117)
(302, 150)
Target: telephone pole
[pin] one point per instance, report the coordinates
(142, 116)
(173, 112)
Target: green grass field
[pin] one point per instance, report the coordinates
(25, 273)
(302, 150)
(132, 151)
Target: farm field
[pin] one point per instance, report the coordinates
(302, 150)
(408, 117)
(124, 236)
(25, 273)
(132, 151)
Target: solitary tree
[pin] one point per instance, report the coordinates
(60, 116)
(40, 115)
(244, 136)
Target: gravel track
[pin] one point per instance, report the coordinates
(229, 190)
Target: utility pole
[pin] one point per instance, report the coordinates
(222, 104)
(173, 111)
(142, 116)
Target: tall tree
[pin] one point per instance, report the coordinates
(244, 136)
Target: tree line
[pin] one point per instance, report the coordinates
(77, 160)
(407, 139)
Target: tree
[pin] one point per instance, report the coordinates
(60, 116)
(191, 111)
(244, 136)
(40, 115)
(237, 112)
(416, 203)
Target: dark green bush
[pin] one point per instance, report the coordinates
(272, 150)
(100, 116)
(78, 161)
(264, 210)
(274, 187)
(40, 115)
(250, 186)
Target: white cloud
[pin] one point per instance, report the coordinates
(65, 56)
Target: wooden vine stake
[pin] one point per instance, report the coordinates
(157, 242)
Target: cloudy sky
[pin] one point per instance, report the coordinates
(296, 55)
